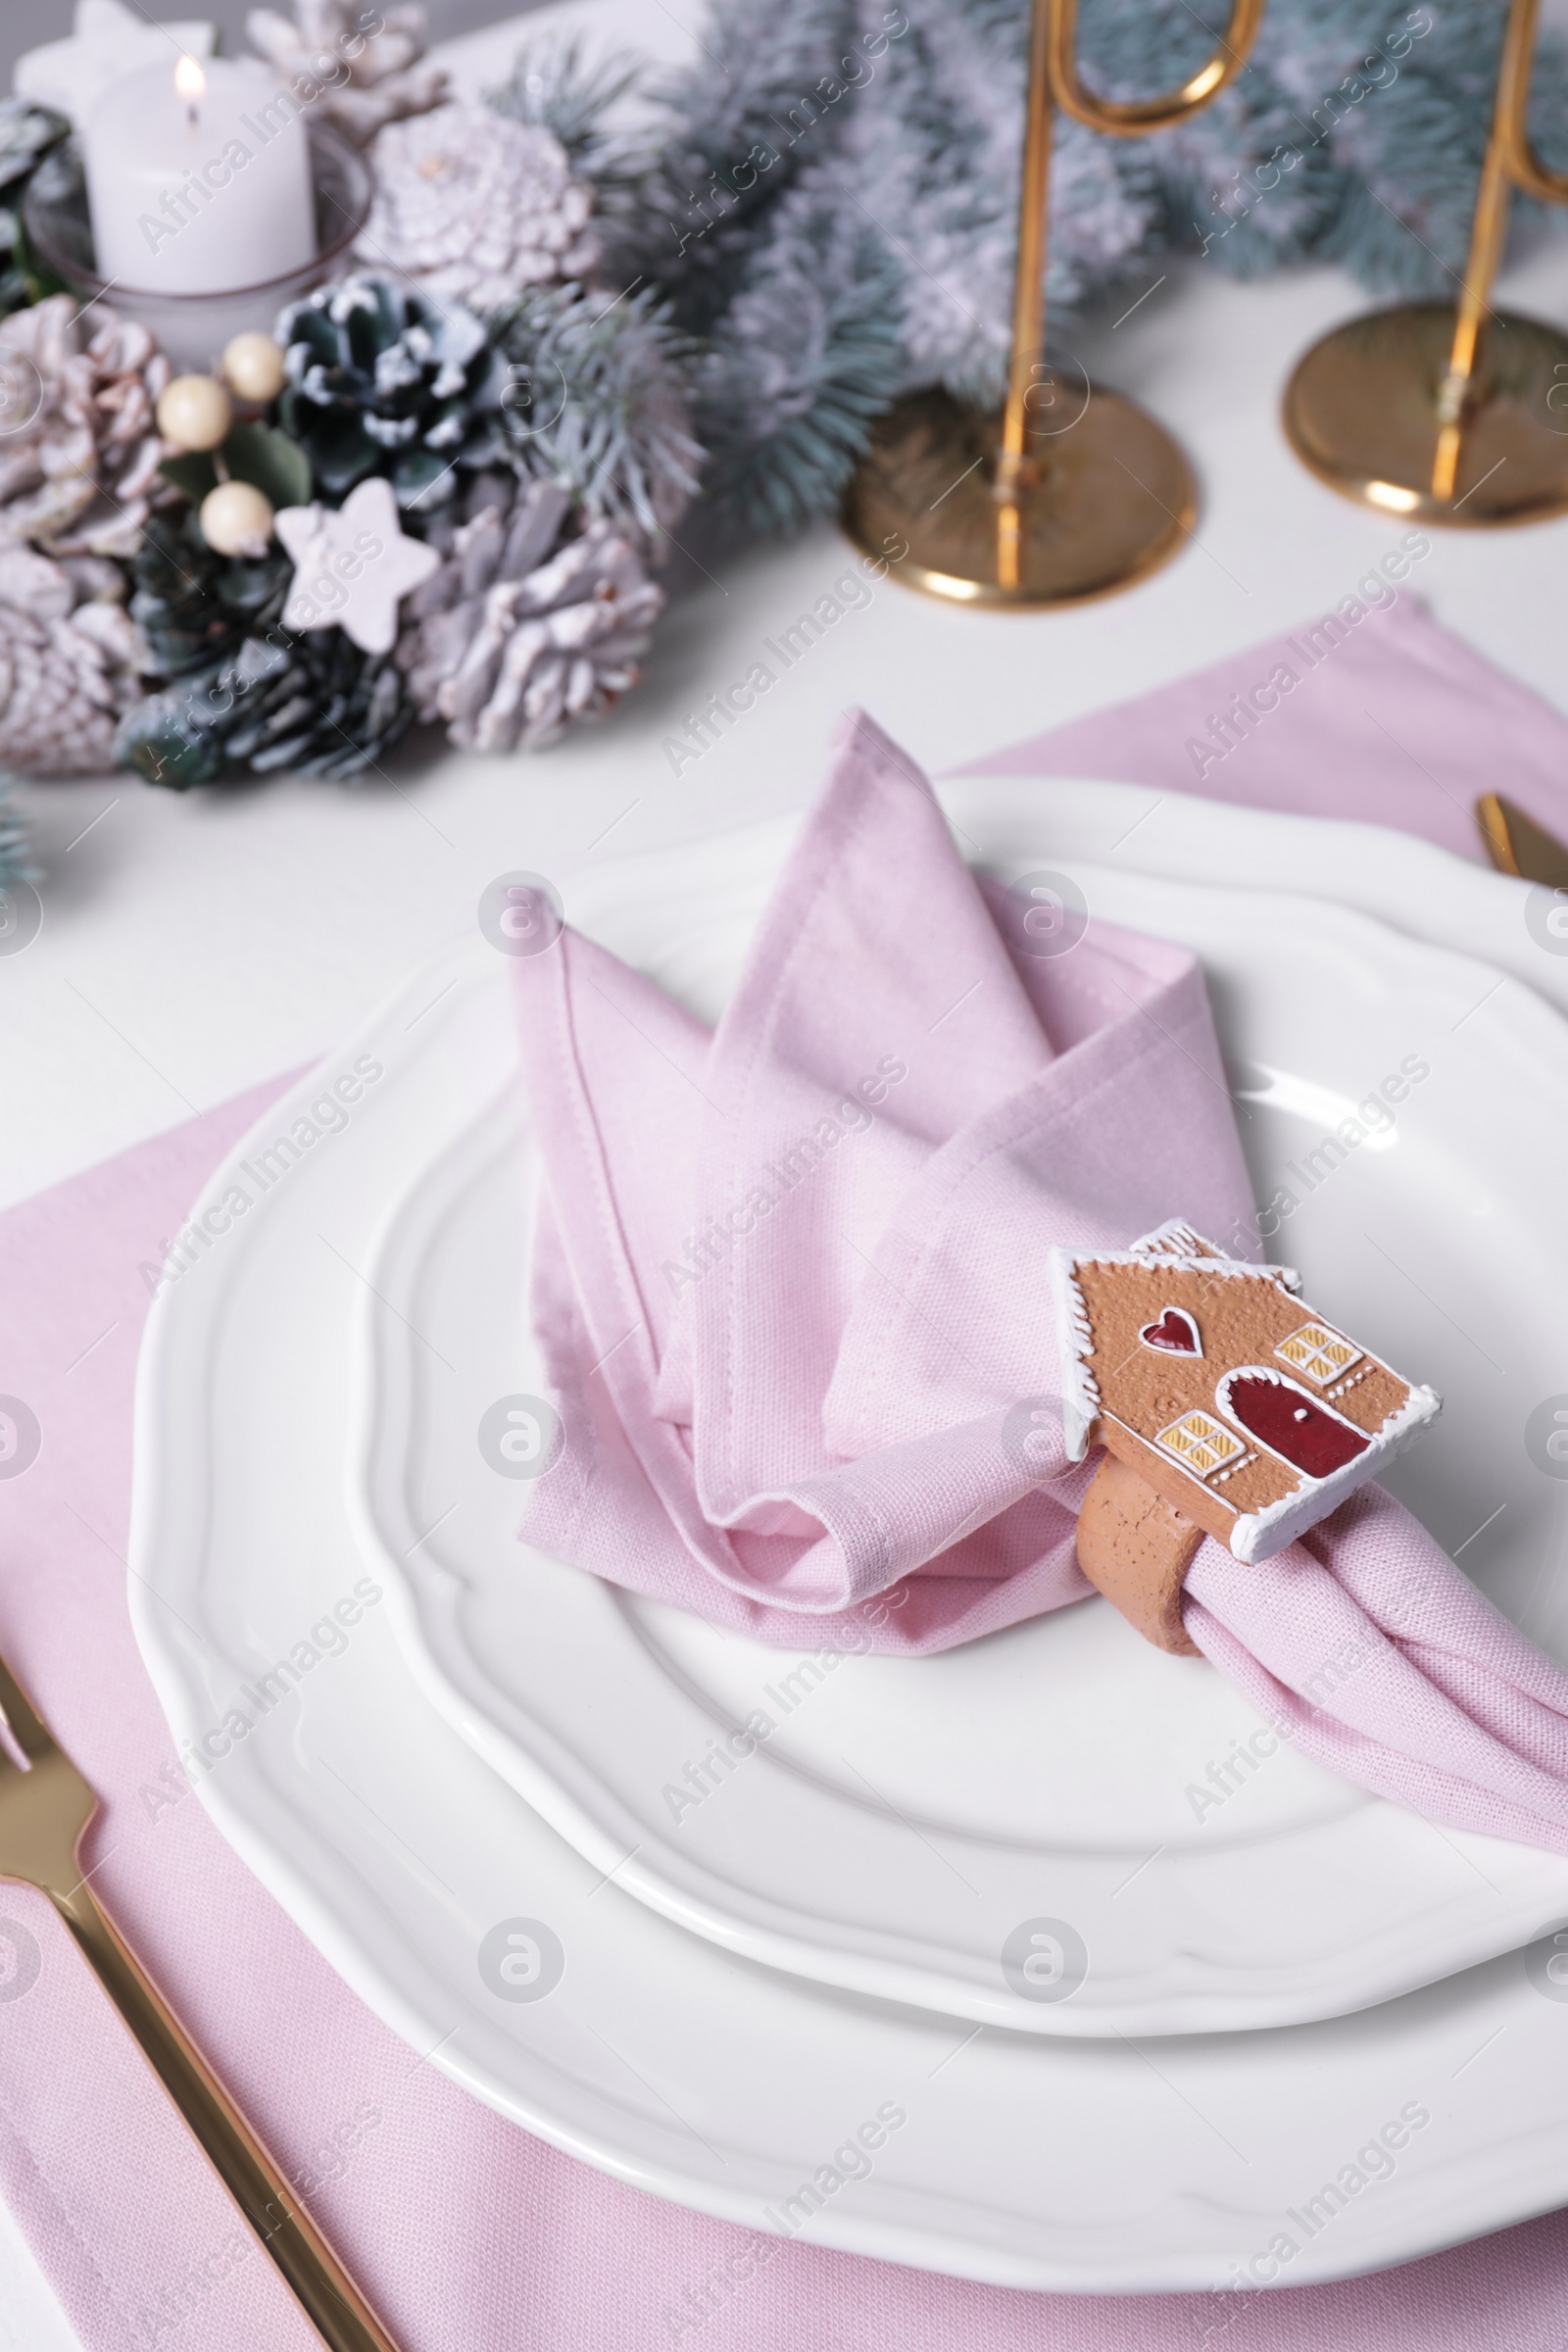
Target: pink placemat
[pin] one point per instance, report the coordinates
(1386, 718)
(466, 2232)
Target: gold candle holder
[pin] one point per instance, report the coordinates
(1455, 414)
(1072, 492)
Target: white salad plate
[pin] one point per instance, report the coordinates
(1021, 2159)
(903, 1817)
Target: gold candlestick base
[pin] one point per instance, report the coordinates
(1114, 499)
(1362, 410)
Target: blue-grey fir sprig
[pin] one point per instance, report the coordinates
(596, 397)
(787, 390)
(16, 857)
(738, 127)
(555, 83)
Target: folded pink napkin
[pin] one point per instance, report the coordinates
(791, 1280)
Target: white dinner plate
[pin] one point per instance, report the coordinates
(904, 1817)
(1027, 2161)
(1412, 885)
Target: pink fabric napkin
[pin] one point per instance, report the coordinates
(787, 1339)
(469, 2235)
(1389, 719)
(790, 1283)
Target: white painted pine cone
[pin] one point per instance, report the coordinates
(367, 80)
(79, 446)
(67, 665)
(472, 207)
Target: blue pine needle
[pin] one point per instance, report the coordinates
(16, 863)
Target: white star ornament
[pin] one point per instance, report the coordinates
(351, 566)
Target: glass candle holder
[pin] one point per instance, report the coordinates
(193, 328)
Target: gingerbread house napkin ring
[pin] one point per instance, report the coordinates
(1225, 1406)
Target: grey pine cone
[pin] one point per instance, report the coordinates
(526, 630)
(314, 705)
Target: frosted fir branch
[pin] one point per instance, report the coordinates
(806, 356)
(16, 864)
(596, 398)
(555, 83)
(730, 136)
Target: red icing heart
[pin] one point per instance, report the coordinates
(1175, 1332)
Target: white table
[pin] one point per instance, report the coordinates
(195, 945)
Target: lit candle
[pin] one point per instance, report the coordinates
(199, 178)
(109, 40)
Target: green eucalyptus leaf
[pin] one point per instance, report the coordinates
(192, 472)
(273, 463)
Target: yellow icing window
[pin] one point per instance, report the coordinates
(1319, 1352)
(1200, 1444)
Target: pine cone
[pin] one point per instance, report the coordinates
(79, 469)
(314, 705)
(522, 633)
(68, 663)
(240, 693)
(385, 80)
(382, 382)
(472, 207)
(192, 608)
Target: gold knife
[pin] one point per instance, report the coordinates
(1517, 845)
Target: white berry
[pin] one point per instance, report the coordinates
(253, 364)
(236, 519)
(194, 412)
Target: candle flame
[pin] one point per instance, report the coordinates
(189, 80)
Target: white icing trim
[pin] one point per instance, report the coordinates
(1080, 1392)
(1284, 1277)
(1260, 1534)
(1175, 1239)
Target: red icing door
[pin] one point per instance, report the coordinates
(1292, 1423)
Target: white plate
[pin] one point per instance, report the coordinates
(1419, 889)
(673, 2064)
(907, 1815)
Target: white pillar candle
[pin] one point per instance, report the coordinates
(201, 188)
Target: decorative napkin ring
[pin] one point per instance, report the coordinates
(1225, 1406)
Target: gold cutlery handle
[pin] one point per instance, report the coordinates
(323, 2290)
